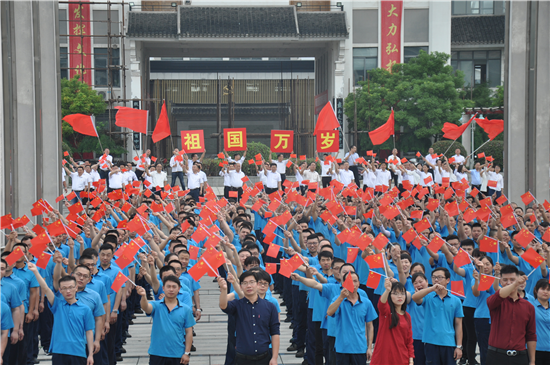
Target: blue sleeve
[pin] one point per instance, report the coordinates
(189, 319)
(34, 282)
(231, 307)
(99, 310)
(459, 313)
(103, 294)
(89, 321)
(274, 325)
(7, 320)
(371, 312)
(187, 299)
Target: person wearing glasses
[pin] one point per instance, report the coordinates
(443, 315)
(73, 326)
(394, 344)
(257, 322)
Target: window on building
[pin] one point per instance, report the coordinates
(473, 7)
(101, 26)
(63, 25)
(478, 66)
(64, 62)
(364, 59)
(412, 52)
(101, 63)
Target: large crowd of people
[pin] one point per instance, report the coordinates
(425, 263)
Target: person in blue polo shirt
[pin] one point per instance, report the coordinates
(10, 296)
(6, 325)
(351, 312)
(73, 325)
(172, 333)
(443, 315)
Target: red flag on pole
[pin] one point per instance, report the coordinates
(385, 131)
(348, 283)
(453, 131)
(134, 119)
(492, 127)
(326, 120)
(119, 281)
(485, 282)
(162, 129)
(81, 123)
(14, 256)
(374, 279)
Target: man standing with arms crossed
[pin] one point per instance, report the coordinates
(513, 324)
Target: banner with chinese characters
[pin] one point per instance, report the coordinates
(390, 31)
(80, 48)
(282, 141)
(192, 141)
(327, 141)
(234, 139)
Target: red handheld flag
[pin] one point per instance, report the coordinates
(375, 261)
(198, 270)
(352, 254)
(385, 131)
(532, 257)
(348, 283)
(374, 279)
(273, 250)
(119, 281)
(485, 282)
(380, 241)
(326, 120)
(453, 131)
(134, 119)
(14, 256)
(524, 237)
(162, 129)
(457, 287)
(462, 258)
(43, 259)
(527, 198)
(488, 244)
(493, 127)
(271, 268)
(81, 123)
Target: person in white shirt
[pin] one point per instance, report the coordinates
(129, 175)
(299, 178)
(105, 164)
(63, 174)
(392, 157)
(459, 159)
(79, 182)
(158, 178)
(261, 175)
(312, 175)
(116, 179)
(237, 157)
(346, 175)
(176, 163)
(195, 181)
(281, 166)
(431, 160)
(369, 177)
(461, 173)
(236, 175)
(325, 166)
(92, 174)
(273, 182)
(191, 162)
(426, 174)
(383, 177)
(147, 176)
(494, 175)
(224, 172)
(141, 165)
(350, 158)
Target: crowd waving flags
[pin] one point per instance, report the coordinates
(408, 249)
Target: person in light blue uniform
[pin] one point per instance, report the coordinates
(442, 334)
(416, 312)
(351, 312)
(5, 326)
(541, 295)
(172, 333)
(72, 335)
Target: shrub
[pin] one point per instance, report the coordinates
(442, 146)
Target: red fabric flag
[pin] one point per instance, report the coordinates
(193, 252)
(56, 228)
(508, 220)
(271, 268)
(59, 198)
(380, 241)
(134, 119)
(422, 225)
(374, 279)
(457, 287)
(488, 244)
(452, 209)
(15, 255)
(6, 221)
(485, 282)
(493, 127)
(453, 131)
(285, 269)
(385, 131)
(524, 237)
(348, 283)
(119, 281)
(352, 254)
(326, 120)
(198, 270)
(390, 213)
(462, 258)
(76, 208)
(435, 244)
(546, 235)
(273, 250)
(363, 242)
(527, 198)
(43, 259)
(416, 214)
(199, 234)
(127, 256)
(409, 236)
(83, 124)
(532, 257)
(269, 228)
(375, 261)
(162, 129)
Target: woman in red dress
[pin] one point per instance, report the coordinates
(394, 344)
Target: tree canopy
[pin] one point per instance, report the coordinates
(425, 93)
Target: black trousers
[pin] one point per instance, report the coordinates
(270, 190)
(542, 358)
(496, 358)
(158, 360)
(326, 181)
(247, 360)
(61, 359)
(226, 190)
(469, 335)
(355, 170)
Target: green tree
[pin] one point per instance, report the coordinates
(425, 93)
(78, 97)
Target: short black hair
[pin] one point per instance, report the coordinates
(468, 242)
(541, 284)
(246, 274)
(418, 264)
(66, 278)
(106, 246)
(165, 269)
(261, 274)
(325, 254)
(445, 271)
(89, 252)
(173, 279)
(251, 260)
(416, 275)
(509, 269)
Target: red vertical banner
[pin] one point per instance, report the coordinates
(390, 32)
(80, 42)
